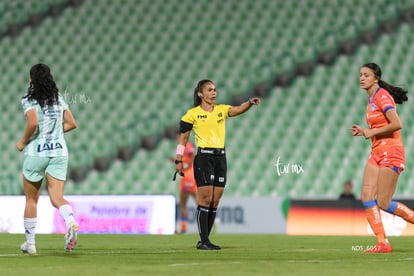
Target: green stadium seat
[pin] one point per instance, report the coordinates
(138, 59)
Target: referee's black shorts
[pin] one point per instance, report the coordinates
(210, 167)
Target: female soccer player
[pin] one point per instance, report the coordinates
(208, 121)
(46, 154)
(387, 159)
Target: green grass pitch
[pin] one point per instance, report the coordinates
(176, 255)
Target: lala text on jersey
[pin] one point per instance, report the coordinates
(49, 146)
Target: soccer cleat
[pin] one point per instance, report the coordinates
(207, 246)
(71, 237)
(215, 247)
(381, 247)
(28, 248)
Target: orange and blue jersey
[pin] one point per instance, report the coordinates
(377, 106)
(187, 182)
(188, 156)
(387, 148)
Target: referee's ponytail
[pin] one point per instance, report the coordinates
(398, 94)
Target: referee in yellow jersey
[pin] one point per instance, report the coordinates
(208, 121)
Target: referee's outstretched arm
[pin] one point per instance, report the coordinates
(237, 110)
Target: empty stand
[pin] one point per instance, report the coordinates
(128, 71)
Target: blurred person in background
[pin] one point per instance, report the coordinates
(347, 193)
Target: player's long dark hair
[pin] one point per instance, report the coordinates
(200, 84)
(42, 87)
(398, 94)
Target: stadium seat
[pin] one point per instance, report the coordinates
(140, 74)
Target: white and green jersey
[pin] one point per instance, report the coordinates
(48, 141)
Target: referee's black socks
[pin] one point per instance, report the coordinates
(202, 218)
(211, 218)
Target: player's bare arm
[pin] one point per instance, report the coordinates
(69, 122)
(31, 127)
(394, 125)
